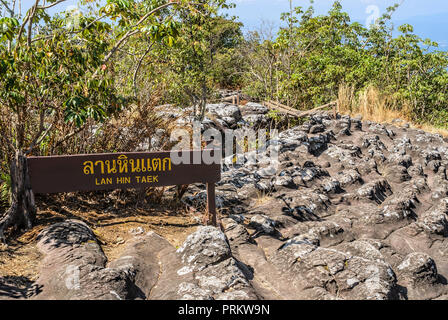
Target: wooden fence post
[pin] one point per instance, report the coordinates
(335, 107)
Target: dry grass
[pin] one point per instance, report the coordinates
(263, 198)
(429, 128)
(371, 104)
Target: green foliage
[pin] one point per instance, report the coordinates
(8, 27)
(204, 39)
(274, 115)
(56, 71)
(5, 188)
(313, 55)
(67, 73)
(192, 54)
(53, 77)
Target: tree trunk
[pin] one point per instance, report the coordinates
(22, 212)
(203, 101)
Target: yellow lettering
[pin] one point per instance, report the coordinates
(88, 167)
(113, 168)
(123, 180)
(135, 165)
(145, 179)
(123, 163)
(167, 160)
(156, 164)
(101, 163)
(103, 181)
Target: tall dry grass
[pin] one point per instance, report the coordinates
(371, 104)
(374, 105)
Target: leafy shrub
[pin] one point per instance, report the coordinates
(312, 56)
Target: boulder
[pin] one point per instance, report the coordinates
(206, 246)
(435, 221)
(217, 274)
(337, 274)
(74, 267)
(252, 108)
(417, 269)
(224, 110)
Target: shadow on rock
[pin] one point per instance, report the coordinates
(15, 287)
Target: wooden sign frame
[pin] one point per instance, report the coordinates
(128, 170)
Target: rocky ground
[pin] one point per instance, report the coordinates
(354, 210)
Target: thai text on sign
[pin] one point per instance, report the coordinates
(119, 171)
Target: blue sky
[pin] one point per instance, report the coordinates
(429, 17)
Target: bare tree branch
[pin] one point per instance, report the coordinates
(22, 27)
(73, 32)
(29, 19)
(40, 137)
(11, 12)
(70, 135)
(51, 5)
(30, 22)
(131, 33)
(134, 78)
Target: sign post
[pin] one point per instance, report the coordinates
(132, 170)
(211, 202)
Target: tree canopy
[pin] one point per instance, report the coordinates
(313, 55)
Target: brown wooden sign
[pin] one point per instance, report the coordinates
(122, 171)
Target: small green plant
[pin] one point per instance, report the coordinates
(5, 188)
(298, 121)
(274, 115)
